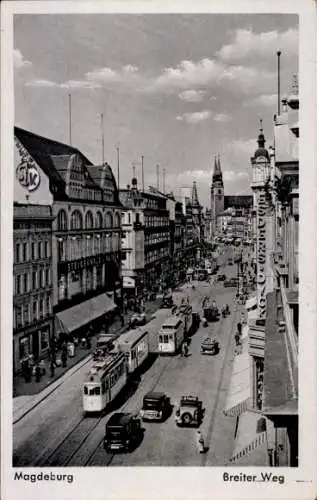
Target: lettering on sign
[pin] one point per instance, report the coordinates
(28, 176)
(261, 255)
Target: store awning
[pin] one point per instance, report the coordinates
(239, 394)
(250, 303)
(75, 317)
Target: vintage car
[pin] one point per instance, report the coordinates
(156, 406)
(209, 346)
(189, 412)
(123, 432)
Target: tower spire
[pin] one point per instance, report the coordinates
(195, 202)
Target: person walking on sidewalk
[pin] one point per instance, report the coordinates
(37, 373)
(64, 355)
(200, 442)
(52, 369)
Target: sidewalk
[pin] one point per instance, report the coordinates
(30, 389)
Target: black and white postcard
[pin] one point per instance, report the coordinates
(158, 262)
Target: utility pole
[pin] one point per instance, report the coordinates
(70, 117)
(278, 53)
(142, 167)
(158, 177)
(102, 141)
(118, 168)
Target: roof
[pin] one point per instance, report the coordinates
(154, 395)
(43, 149)
(277, 383)
(171, 321)
(119, 419)
(131, 337)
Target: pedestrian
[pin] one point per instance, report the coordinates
(52, 369)
(237, 339)
(64, 355)
(37, 373)
(200, 442)
(24, 367)
(239, 328)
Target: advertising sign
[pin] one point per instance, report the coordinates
(261, 255)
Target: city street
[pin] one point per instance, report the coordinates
(55, 432)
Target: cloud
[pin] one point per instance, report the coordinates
(192, 95)
(231, 175)
(263, 100)
(189, 73)
(41, 83)
(222, 117)
(194, 118)
(19, 61)
(246, 43)
(80, 84)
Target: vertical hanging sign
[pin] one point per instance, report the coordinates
(261, 255)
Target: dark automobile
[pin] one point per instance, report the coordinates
(123, 432)
(221, 277)
(156, 406)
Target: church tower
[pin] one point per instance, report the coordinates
(216, 195)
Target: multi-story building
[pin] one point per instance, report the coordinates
(269, 355)
(33, 288)
(86, 229)
(216, 195)
(146, 242)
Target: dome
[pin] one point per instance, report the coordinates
(262, 152)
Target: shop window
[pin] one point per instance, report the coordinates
(24, 347)
(44, 339)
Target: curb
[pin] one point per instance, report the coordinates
(22, 412)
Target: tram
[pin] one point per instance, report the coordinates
(135, 345)
(107, 376)
(171, 335)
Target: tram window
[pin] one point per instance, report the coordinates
(161, 339)
(165, 339)
(103, 387)
(107, 383)
(86, 390)
(97, 390)
(170, 336)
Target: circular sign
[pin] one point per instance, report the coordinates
(28, 176)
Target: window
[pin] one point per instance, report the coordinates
(48, 305)
(117, 220)
(86, 390)
(109, 220)
(26, 283)
(33, 251)
(41, 308)
(89, 221)
(62, 221)
(44, 339)
(18, 284)
(47, 277)
(99, 220)
(26, 313)
(76, 221)
(18, 316)
(24, 252)
(17, 252)
(41, 278)
(34, 309)
(46, 249)
(39, 249)
(33, 280)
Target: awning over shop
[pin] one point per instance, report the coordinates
(75, 317)
(239, 394)
(250, 303)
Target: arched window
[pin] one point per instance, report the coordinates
(62, 221)
(117, 220)
(89, 220)
(99, 220)
(109, 220)
(76, 221)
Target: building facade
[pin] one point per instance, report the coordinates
(216, 195)
(86, 229)
(33, 323)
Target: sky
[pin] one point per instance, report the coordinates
(177, 89)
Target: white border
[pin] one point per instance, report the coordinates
(174, 483)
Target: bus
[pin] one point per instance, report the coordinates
(171, 335)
